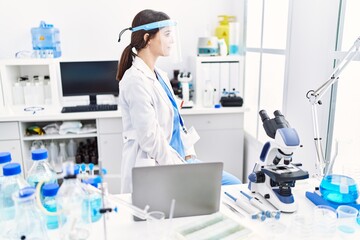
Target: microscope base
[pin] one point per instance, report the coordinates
(287, 204)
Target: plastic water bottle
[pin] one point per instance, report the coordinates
(12, 181)
(49, 192)
(40, 171)
(18, 94)
(93, 201)
(5, 158)
(29, 222)
(70, 199)
(71, 148)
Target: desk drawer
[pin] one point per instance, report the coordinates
(9, 130)
(215, 121)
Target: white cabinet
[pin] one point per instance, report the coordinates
(10, 141)
(221, 139)
(110, 150)
(221, 73)
(41, 88)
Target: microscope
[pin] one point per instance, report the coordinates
(274, 174)
(185, 78)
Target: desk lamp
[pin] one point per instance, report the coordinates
(337, 189)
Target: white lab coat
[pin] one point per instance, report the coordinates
(147, 116)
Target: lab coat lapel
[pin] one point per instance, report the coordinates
(141, 65)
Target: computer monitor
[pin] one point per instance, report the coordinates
(89, 78)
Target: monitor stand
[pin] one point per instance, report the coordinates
(92, 99)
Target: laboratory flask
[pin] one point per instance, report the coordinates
(29, 222)
(40, 171)
(12, 181)
(70, 202)
(49, 192)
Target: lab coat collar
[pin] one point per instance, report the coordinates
(141, 66)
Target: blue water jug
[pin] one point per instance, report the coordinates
(46, 41)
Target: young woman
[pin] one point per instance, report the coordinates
(153, 130)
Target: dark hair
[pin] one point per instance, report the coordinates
(137, 38)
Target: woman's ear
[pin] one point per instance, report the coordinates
(146, 37)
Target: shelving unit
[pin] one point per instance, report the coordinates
(12, 70)
(223, 73)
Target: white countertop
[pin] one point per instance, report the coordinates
(121, 226)
(53, 113)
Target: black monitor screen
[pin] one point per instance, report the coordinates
(89, 78)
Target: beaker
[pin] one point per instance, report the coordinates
(155, 225)
(347, 218)
(324, 221)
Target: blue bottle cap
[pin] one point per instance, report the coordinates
(217, 106)
(5, 157)
(26, 192)
(93, 181)
(50, 189)
(39, 154)
(11, 169)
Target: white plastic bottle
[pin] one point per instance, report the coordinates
(71, 148)
(18, 94)
(54, 159)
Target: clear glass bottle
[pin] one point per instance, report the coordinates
(93, 201)
(41, 169)
(29, 222)
(49, 192)
(5, 158)
(12, 181)
(70, 199)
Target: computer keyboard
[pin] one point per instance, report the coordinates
(89, 108)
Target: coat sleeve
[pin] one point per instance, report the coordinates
(149, 135)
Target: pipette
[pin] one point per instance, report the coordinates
(252, 211)
(260, 205)
(91, 169)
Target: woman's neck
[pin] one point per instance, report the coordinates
(148, 58)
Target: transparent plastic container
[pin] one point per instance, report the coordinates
(29, 222)
(49, 192)
(40, 171)
(70, 201)
(11, 182)
(46, 41)
(339, 189)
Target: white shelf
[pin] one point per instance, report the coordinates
(55, 136)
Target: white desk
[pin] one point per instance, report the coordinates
(121, 226)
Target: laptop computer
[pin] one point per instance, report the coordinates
(195, 187)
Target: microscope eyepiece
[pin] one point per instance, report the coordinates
(264, 116)
(277, 113)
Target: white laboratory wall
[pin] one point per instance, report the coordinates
(89, 28)
(311, 41)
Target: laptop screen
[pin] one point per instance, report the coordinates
(195, 187)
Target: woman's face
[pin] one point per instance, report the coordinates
(162, 42)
